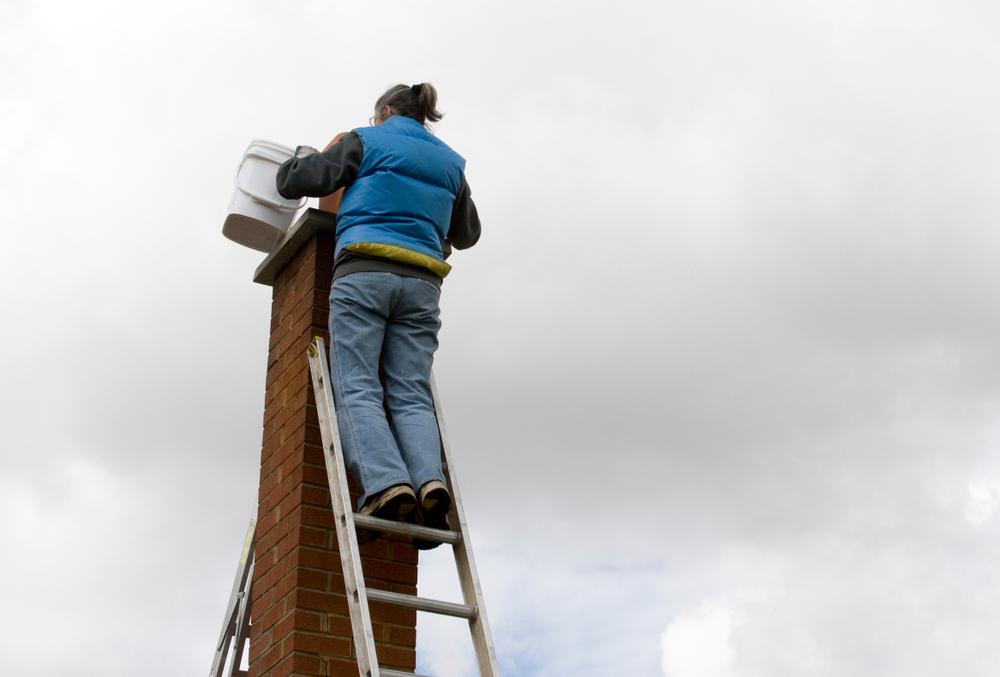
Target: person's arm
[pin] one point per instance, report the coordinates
(331, 203)
(320, 174)
(465, 227)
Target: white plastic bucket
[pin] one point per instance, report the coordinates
(258, 216)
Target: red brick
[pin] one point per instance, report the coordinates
(403, 552)
(283, 626)
(326, 645)
(255, 630)
(281, 418)
(314, 474)
(300, 398)
(313, 537)
(288, 344)
(316, 496)
(294, 518)
(318, 517)
(294, 379)
(267, 563)
(319, 314)
(287, 455)
(342, 668)
(298, 435)
(260, 645)
(268, 432)
(284, 667)
(403, 588)
(313, 454)
(341, 625)
(278, 415)
(291, 500)
(306, 664)
(293, 469)
(269, 619)
(266, 523)
(275, 339)
(310, 620)
(270, 540)
(325, 249)
(321, 601)
(390, 571)
(324, 278)
(262, 604)
(303, 311)
(274, 525)
(269, 448)
(267, 485)
(286, 585)
(284, 487)
(397, 657)
(270, 579)
(313, 435)
(319, 559)
(380, 631)
(400, 635)
(337, 583)
(392, 614)
(269, 658)
(311, 579)
(377, 550)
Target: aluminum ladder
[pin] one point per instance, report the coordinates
(358, 595)
(236, 625)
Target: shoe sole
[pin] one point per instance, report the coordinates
(434, 514)
(397, 508)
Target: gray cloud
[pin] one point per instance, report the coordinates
(725, 353)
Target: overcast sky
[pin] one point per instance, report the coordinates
(722, 376)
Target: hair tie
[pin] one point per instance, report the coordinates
(416, 90)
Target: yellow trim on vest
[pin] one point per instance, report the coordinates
(388, 251)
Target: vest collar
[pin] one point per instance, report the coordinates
(401, 120)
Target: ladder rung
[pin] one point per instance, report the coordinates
(405, 529)
(423, 604)
(386, 672)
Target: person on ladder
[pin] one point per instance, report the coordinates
(404, 204)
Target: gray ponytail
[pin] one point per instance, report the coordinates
(417, 101)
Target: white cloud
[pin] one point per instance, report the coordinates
(697, 643)
(731, 326)
(983, 500)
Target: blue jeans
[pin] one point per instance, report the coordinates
(387, 318)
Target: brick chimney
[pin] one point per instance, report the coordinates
(300, 620)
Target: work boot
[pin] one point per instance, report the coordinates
(395, 503)
(434, 505)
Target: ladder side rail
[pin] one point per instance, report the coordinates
(242, 625)
(229, 627)
(340, 497)
(222, 651)
(482, 639)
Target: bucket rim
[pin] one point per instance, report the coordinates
(272, 145)
(270, 152)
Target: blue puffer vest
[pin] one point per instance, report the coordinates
(399, 206)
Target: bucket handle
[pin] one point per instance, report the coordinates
(259, 198)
